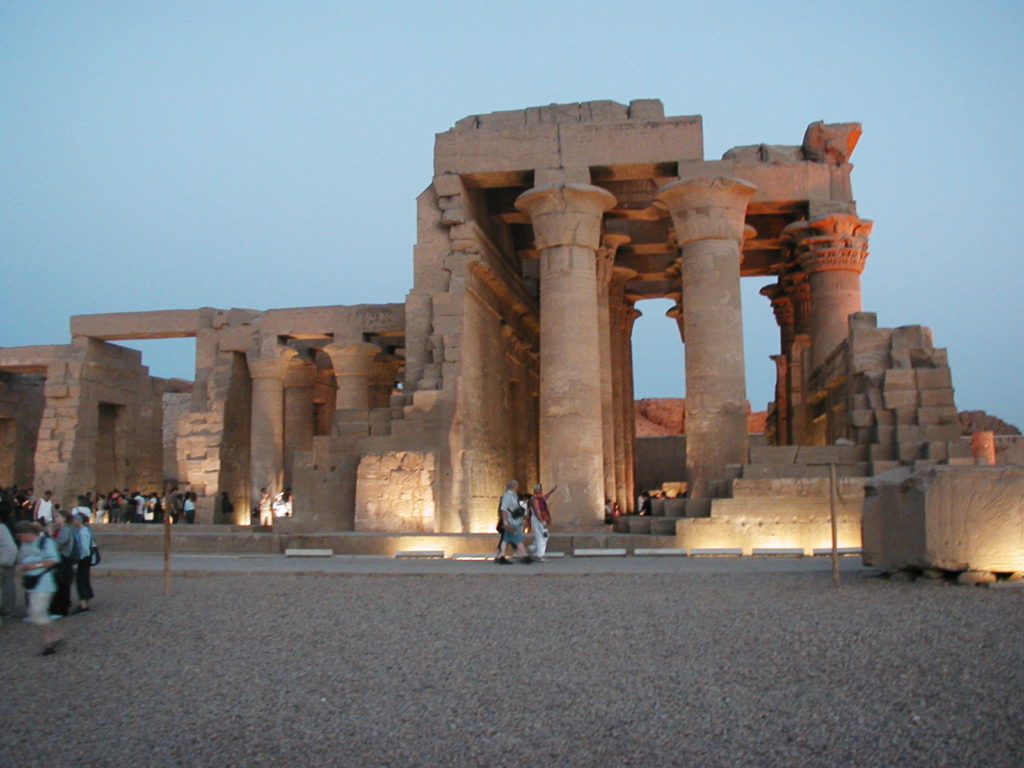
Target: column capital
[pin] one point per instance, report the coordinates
(269, 364)
(610, 243)
(300, 373)
(835, 242)
(782, 302)
(566, 214)
(352, 358)
(707, 208)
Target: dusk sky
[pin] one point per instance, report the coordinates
(177, 154)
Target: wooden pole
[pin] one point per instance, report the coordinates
(832, 516)
(167, 553)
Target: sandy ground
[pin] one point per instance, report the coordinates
(749, 667)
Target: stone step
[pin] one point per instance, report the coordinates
(781, 471)
(793, 487)
(786, 510)
(807, 454)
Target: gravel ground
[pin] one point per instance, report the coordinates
(555, 670)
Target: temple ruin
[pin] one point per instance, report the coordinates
(539, 234)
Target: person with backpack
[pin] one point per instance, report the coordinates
(86, 549)
(39, 559)
(66, 540)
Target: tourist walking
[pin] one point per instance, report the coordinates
(513, 515)
(39, 558)
(540, 519)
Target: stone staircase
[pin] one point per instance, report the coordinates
(778, 501)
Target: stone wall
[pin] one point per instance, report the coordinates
(101, 426)
(395, 492)
(21, 408)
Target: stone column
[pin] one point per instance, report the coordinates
(619, 307)
(832, 251)
(708, 216)
(266, 458)
(566, 222)
(629, 400)
(353, 369)
(299, 426)
(605, 267)
(382, 381)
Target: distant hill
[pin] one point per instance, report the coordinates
(658, 416)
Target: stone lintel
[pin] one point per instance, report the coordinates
(162, 324)
(33, 359)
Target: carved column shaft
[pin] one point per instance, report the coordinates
(620, 307)
(267, 428)
(566, 221)
(708, 215)
(299, 413)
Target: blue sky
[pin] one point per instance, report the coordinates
(268, 154)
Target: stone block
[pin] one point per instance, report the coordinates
(880, 467)
(936, 397)
(870, 350)
(448, 185)
(905, 417)
(586, 144)
(885, 418)
(880, 452)
(934, 378)
(929, 358)
(908, 453)
(944, 414)
(499, 145)
(646, 109)
(895, 380)
(603, 111)
(940, 432)
(862, 418)
(911, 337)
(773, 454)
(909, 433)
(900, 359)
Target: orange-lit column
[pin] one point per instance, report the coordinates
(566, 222)
(832, 251)
(708, 216)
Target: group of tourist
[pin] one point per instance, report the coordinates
(137, 507)
(520, 515)
(54, 551)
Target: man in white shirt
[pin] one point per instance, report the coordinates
(43, 511)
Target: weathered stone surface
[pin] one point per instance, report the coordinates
(949, 517)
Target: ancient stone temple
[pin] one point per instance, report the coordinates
(538, 235)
